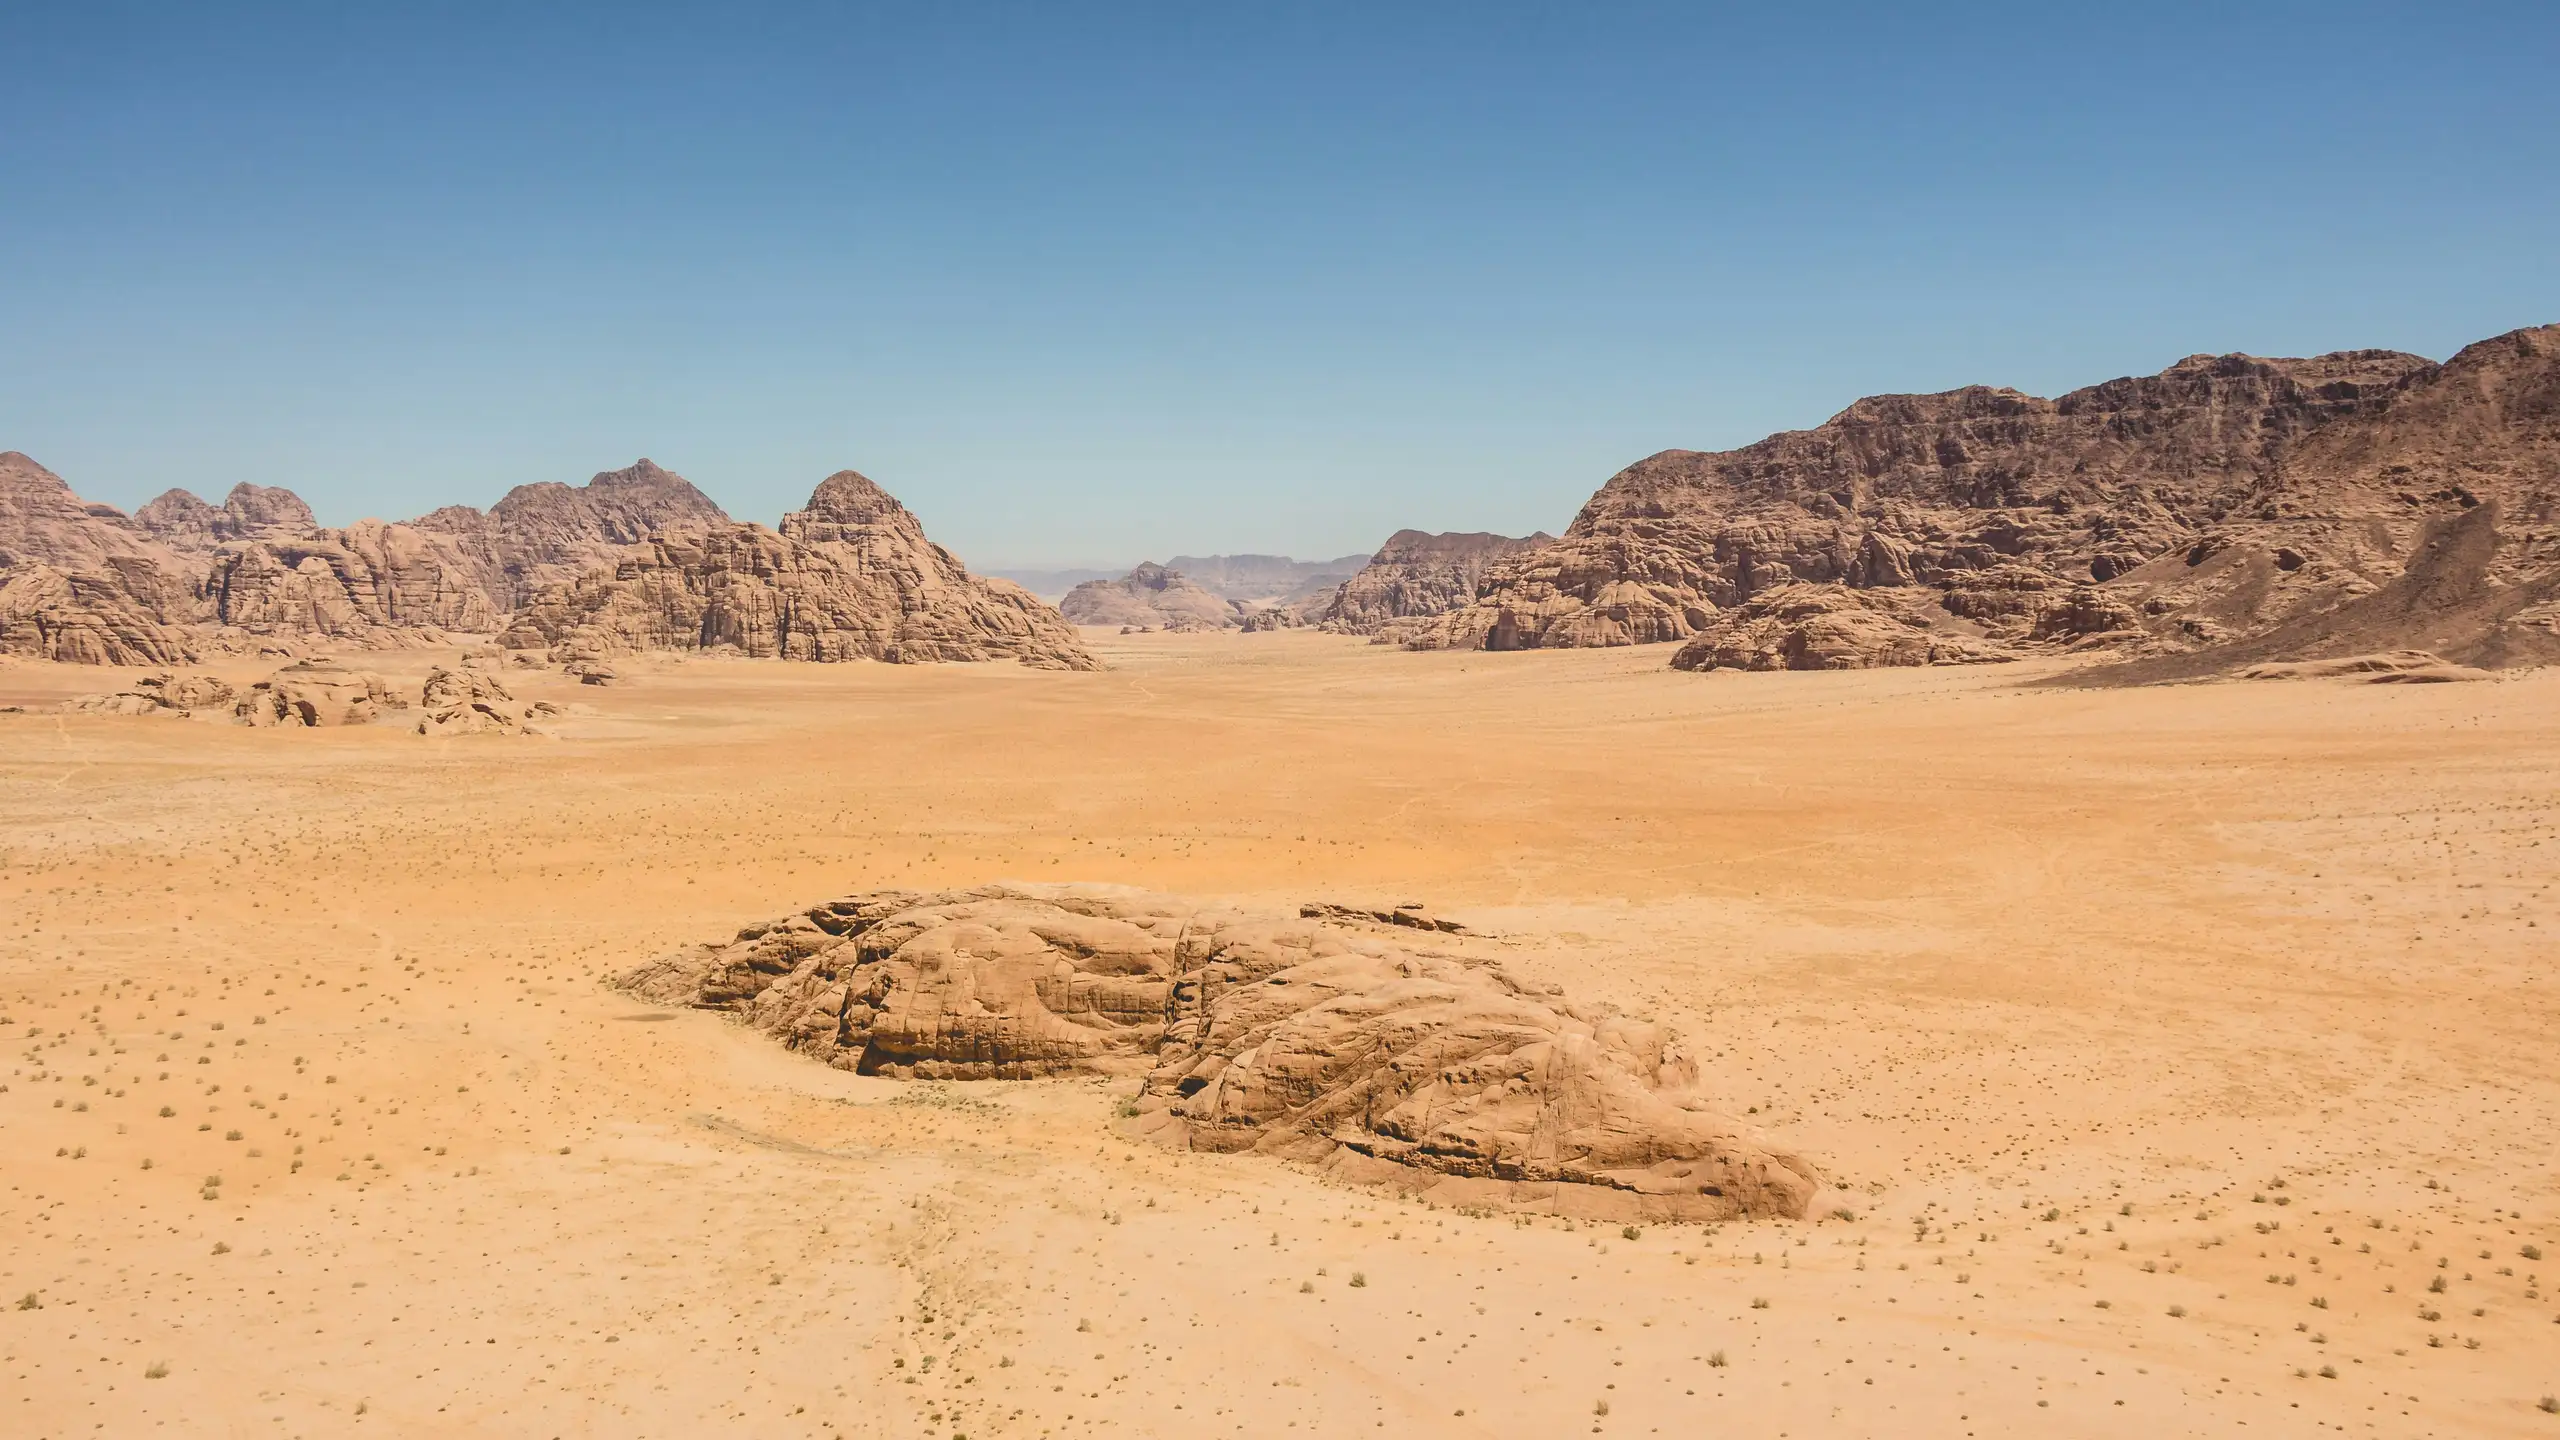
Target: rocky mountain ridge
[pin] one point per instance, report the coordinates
(183, 577)
(2167, 518)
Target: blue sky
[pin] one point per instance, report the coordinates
(1092, 283)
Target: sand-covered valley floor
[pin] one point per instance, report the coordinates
(2185, 1060)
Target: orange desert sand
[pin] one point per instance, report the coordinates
(2179, 1061)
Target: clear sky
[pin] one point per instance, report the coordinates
(1088, 283)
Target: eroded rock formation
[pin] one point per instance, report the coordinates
(1368, 1047)
(1417, 576)
(161, 694)
(635, 558)
(469, 701)
(1151, 597)
(850, 577)
(314, 694)
(548, 532)
(2176, 515)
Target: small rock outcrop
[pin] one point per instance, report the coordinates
(1151, 597)
(316, 694)
(1368, 1047)
(160, 694)
(851, 577)
(469, 701)
(1829, 627)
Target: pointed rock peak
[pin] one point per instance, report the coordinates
(21, 470)
(178, 515)
(257, 506)
(848, 497)
(643, 471)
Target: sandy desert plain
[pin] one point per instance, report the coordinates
(2182, 1059)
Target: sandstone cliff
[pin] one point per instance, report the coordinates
(1370, 1048)
(82, 582)
(1418, 576)
(850, 577)
(2174, 515)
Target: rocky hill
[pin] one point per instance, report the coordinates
(1418, 576)
(183, 577)
(1358, 1046)
(850, 577)
(545, 532)
(1151, 597)
(1258, 581)
(2229, 509)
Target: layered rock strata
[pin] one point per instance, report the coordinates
(850, 577)
(636, 558)
(1374, 1049)
(2355, 501)
(1418, 576)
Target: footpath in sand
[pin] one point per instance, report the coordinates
(2181, 1059)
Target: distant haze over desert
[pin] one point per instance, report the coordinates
(910, 724)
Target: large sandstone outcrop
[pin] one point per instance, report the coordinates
(547, 532)
(850, 577)
(82, 582)
(2176, 515)
(1152, 597)
(1418, 576)
(1368, 1047)
(635, 558)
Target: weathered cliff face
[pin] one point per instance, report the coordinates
(2223, 497)
(1152, 597)
(83, 583)
(547, 532)
(1417, 576)
(1366, 1047)
(850, 577)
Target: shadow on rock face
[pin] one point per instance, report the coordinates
(1341, 1041)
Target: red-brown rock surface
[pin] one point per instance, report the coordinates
(1363, 1046)
(2177, 515)
(850, 577)
(82, 582)
(1419, 576)
(635, 558)
(542, 533)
